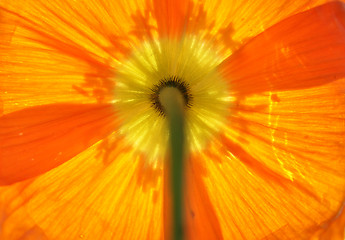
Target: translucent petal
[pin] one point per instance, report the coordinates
(202, 221)
(87, 198)
(37, 139)
(303, 51)
(59, 51)
(237, 21)
(278, 170)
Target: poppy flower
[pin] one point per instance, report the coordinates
(84, 135)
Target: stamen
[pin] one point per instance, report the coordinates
(173, 103)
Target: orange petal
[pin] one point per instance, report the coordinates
(226, 23)
(86, 199)
(279, 169)
(35, 140)
(302, 51)
(172, 17)
(97, 27)
(239, 20)
(62, 51)
(202, 222)
(334, 229)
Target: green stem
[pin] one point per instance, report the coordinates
(173, 103)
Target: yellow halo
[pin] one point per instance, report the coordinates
(195, 63)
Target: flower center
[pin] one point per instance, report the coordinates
(190, 66)
(173, 82)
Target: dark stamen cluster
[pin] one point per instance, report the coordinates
(172, 81)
